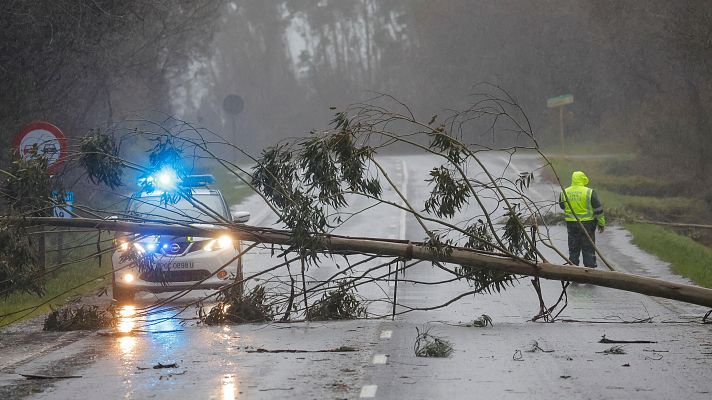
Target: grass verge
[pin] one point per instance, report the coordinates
(232, 188)
(627, 196)
(66, 279)
(687, 257)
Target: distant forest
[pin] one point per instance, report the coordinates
(640, 71)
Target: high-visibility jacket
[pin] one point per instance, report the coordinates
(582, 201)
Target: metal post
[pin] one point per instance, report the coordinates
(561, 129)
(234, 139)
(304, 288)
(240, 276)
(42, 249)
(395, 293)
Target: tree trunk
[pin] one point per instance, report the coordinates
(412, 250)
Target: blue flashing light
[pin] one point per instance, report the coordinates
(165, 180)
(150, 247)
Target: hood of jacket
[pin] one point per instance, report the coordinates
(578, 178)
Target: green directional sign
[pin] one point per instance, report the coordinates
(559, 101)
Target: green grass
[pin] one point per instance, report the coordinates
(687, 257)
(63, 280)
(630, 197)
(232, 188)
(578, 147)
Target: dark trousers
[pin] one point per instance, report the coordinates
(579, 243)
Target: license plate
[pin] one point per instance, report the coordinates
(172, 266)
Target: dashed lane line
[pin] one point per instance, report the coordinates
(386, 334)
(380, 359)
(368, 391)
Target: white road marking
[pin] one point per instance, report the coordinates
(404, 192)
(380, 358)
(386, 334)
(368, 391)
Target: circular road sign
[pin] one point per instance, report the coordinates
(47, 138)
(233, 104)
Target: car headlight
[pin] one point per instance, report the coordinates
(223, 242)
(124, 246)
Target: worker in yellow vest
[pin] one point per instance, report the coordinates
(580, 203)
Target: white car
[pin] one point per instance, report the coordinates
(177, 263)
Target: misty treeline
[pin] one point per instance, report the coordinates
(637, 69)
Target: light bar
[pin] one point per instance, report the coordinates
(198, 180)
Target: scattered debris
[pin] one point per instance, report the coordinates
(427, 345)
(267, 390)
(625, 365)
(565, 376)
(79, 318)
(35, 376)
(658, 358)
(159, 366)
(482, 321)
(613, 350)
(342, 349)
(238, 308)
(535, 347)
(606, 340)
(518, 356)
(340, 303)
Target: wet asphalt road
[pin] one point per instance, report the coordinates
(493, 362)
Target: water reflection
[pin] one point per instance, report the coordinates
(126, 324)
(127, 319)
(229, 387)
(126, 344)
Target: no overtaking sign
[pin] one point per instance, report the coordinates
(46, 138)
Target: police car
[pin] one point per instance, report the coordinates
(153, 263)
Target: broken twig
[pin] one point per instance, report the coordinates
(606, 340)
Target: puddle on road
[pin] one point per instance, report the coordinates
(229, 387)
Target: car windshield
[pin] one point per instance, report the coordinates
(152, 208)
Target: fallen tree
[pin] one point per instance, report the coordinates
(312, 183)
(406, 250)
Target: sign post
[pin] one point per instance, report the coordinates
(233, 105)
(42, 139)
(559, 102)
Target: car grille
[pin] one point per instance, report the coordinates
(175, 276)
(176, 248)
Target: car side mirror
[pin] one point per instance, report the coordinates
(240, 216)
